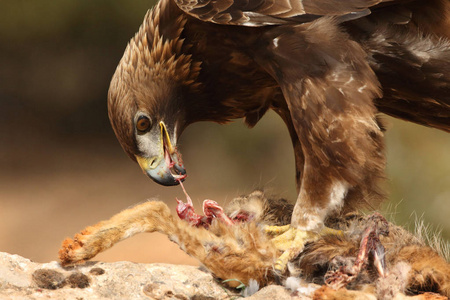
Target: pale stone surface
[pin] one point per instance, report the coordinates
(120, 280)
(274, 292)
(21, 278)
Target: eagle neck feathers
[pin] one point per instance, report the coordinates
(158, 50)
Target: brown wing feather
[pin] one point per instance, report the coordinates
(414, 72)
(409, 50)
(272, 12)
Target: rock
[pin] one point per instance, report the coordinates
(78, 280)
(274, 292)
(21, 278)
(49, 279)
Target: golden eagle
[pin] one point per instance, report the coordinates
(327, 67)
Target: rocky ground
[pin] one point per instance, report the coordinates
(21, 278)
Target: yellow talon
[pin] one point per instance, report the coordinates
(276, 230)
(291, 241)
(331, 231)
(282, 261)
(284, 241)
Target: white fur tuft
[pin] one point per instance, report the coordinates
(252, 288)
(300, 286)
(292, 283)
(396, 282)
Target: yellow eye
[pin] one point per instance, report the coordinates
(143, 124)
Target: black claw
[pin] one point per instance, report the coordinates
(278, 277)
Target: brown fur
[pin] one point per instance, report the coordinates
(429, 271)
(222, 249)
(244, 252)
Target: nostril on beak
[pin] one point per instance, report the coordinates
(153, 162)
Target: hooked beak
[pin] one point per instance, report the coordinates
(166, 168)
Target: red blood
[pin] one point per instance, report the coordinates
(210, 208)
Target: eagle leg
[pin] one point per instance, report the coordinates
(329, 96)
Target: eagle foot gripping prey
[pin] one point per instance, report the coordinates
(292, 241)
(234, 243)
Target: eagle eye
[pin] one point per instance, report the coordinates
(143, 124)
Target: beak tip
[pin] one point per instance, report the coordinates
(165, 177)
(166, 180)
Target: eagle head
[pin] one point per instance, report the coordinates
(146, 106)
(146, 120)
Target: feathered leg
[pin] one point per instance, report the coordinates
(330, 100)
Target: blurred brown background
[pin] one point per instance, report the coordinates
(62, 169)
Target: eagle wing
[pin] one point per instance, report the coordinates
(273, 12)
